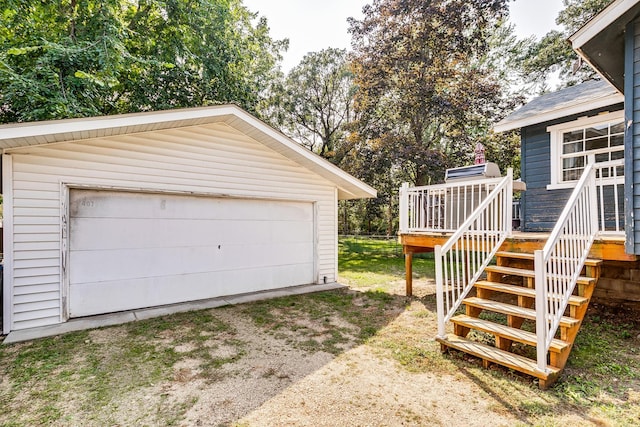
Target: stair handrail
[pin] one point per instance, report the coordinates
(462, 259)
(558, 265)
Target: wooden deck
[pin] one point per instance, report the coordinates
(606, 247)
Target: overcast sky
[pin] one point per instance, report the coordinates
(312, 25)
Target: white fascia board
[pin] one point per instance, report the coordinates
(39, 133)
(601, 21)
(614, 98)
(122, 121)
(316, 163)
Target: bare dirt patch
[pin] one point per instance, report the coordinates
(356, 358)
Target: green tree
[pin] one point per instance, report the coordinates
(431, 78)
(553, 54)
(314, 103)
(421, 84)
(78, 58)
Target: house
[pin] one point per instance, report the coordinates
(118, 213)
(581, 216)
(558, 131)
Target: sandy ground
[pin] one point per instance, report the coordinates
(274, 384)
(273, 381)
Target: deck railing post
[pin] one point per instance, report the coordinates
(439, 290)
(404, 207)
(509, 203)
(593, 204)
(541, 308)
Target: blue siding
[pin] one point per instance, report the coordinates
(632, 137)
(541, 207)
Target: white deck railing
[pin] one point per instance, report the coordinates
(610, 196)
(463, 258)
(443, 207)
(559, 263)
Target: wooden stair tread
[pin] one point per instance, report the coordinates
(495, 355)
(522, 291)
(514, 310)
(529, 256)
(505, 331)
(523, 272)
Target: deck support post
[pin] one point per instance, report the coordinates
(408, 268)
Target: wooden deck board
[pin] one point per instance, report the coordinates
(513, 310)
(529, 273)
(505, 331)
(529, 256)
(495, 355)
(522, 291)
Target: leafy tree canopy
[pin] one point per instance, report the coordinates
(314, 103)
(554, 54)
(424, 91)
(74, 58)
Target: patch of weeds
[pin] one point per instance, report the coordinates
(578, 388)
(190, 325)
(535, 408)
(38, 359)
(172, 414)
(71, 377)
(213, 363)
(413, 356)
(326, 321)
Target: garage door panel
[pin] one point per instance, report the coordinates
(120, 295)
(288, 231)
(102, 204)
(297, 211)
(96, 266)
(104, 233)
(132, 250)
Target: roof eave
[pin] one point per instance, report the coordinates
(600, 22)
(600, 42)
(583, 107)
(41, 133)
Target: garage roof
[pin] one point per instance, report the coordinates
(47, 132)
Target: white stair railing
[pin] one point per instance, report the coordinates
(559, 263)
(462, 259)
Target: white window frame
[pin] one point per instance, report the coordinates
(556, 132)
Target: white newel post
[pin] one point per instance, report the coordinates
(439, 291)
(593, 204)
(541, 309)
(404, 207)
(509, 203)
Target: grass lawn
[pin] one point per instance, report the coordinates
(171, 370)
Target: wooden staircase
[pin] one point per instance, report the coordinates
(501, 313)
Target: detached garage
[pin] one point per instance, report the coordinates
(117, 213)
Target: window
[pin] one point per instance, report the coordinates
(572, 144)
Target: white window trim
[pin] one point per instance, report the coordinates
(556, 132)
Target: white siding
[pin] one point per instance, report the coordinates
(210, 159)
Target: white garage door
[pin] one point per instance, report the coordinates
(134, 250)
